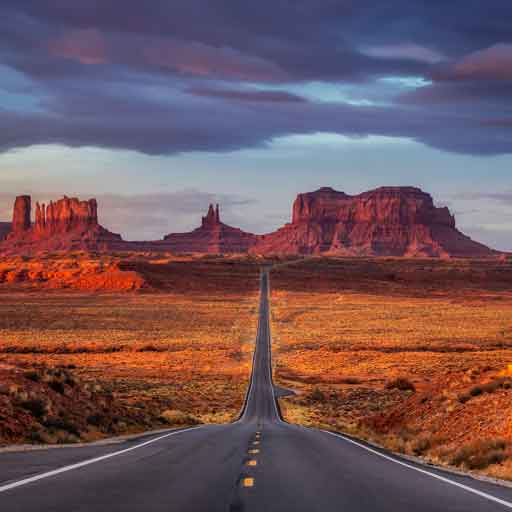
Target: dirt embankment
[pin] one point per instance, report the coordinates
(41, 404)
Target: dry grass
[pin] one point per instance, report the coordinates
(417, 363)
(188, 351)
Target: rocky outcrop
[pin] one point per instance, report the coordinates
(64, 225)
(388, 221)
(64, 215)
(21, 215)
(213, 236)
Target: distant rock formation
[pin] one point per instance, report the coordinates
(213, 236)
(388, 221)
(21, 215)
(64, 215)
(63, 225)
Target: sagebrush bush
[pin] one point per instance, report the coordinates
(317, 395)
(480, 454)
(177, 417)
(36, 406)
(33, 375)
(401, 383)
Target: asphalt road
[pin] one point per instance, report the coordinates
(259, 463)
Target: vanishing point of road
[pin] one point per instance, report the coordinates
(258, 463)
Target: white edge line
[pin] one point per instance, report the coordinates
(482, 494)
(243, 410)
(274, 397)
(64, 469)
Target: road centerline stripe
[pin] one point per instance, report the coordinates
(248, 482)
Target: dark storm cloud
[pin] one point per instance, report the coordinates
(169, 77)
(233, 94)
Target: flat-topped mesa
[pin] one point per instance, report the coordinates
(387, 221)
(322, 204)
(65, 214)
(399, 206)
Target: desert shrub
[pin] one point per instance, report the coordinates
(317, 395)
(97, 419)
(57, 386)
(33, 375)
(496, 384)
(401, 383)
(464, 398)
(480, 454)
(350, 380)
(421, 445)
(70, 381)
(489, 387)
(476, 391)
(176, 417)
(151, 348)
(38, 437)
(36, 406)
(62, 424)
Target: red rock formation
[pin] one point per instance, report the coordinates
(21, 215)
(388, 221)
(212, 237)
(64, 225)
(66, 214)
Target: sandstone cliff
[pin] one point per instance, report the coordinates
(64, 225)
(388, 221)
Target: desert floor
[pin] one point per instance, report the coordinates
(77, 364)
(410, 354)
(413, 355)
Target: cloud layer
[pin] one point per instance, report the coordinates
(218, 76)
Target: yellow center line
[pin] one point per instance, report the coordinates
(248, 482)
(252, 462)
(254, 451)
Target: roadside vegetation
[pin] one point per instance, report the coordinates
(418, 363)
(77, 366)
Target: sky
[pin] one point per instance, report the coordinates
(159, 108)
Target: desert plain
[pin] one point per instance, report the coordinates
(411, 354)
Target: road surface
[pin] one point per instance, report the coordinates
(258, 463)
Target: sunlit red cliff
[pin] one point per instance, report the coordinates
(388, 221)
